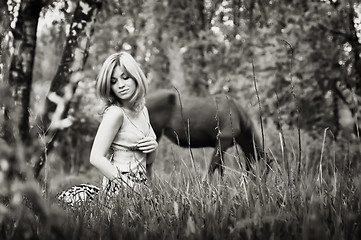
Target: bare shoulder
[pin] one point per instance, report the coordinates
(113, 114)
(145, 109)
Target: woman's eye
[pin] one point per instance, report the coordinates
(113, 80)
(125, 77)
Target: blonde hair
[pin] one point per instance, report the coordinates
(129, 66)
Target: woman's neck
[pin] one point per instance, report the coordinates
(130, 107)
(124, 105)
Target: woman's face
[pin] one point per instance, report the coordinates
(122, 85)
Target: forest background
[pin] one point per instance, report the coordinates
(303, 57)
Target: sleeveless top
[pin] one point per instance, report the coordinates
(130, 162)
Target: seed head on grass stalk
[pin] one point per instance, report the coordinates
(243, 176)
(292, 89)
(260, 179)
(188, 135)
(259, 106)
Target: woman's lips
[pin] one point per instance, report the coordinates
(123, 92)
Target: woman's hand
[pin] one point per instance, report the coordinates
(147, 145)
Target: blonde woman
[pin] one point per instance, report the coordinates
(124, 147)
(125, 129)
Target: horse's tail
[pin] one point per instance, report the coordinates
(248, 138)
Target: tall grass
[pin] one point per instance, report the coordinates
(323, 203)
(316, 197)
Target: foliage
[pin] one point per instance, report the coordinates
(291, 45)
(315, 60)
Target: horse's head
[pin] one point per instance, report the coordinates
(160, 105)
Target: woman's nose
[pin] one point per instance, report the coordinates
(120, 83)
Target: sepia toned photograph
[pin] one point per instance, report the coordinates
(180, 119)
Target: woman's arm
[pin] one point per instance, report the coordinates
(108, 128)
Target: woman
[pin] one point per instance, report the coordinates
(125, 129)
(124, 134)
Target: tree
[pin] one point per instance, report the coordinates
(323, 62)
(69, 73)
(20, 78)
(65, 81)
(4, 30)
(305, 54)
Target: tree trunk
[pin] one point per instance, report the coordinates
(22, 62)
(199, 86)
(236, 5)
(4, 30)
(356, 46)
(4, 71)
(67, 76)
(176, 72)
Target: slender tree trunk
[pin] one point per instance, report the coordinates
(16, 67)
(236, 5)
(200, 86)
(176, 72)
(67, 76)
(22, 62)
(4, 30)
(356, 47)
(251, 25)
(4, 70)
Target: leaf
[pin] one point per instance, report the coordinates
(176, 209)
(85, 7)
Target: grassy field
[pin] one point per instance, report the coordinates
(322, 201)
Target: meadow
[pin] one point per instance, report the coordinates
(319, 201)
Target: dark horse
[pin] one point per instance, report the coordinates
(214, 121)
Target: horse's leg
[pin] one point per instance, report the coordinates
(149, 163)
(248, 160)
(149, 170)
(217, 158)
(251, 147)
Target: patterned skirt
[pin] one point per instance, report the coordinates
(81, 194)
